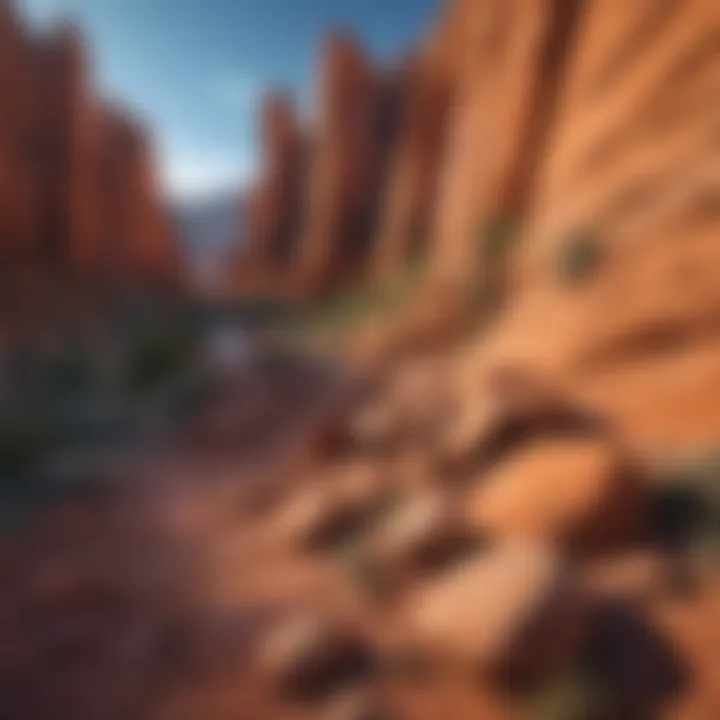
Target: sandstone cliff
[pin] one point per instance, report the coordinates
(346, 167)
(75, 195)
(314, 211)
(563, 152)
(271, 211)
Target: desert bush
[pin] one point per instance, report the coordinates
(360, 302)
(579, 258)
(158, 356)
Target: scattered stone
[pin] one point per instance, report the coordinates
(576, 492)
(327, 513)
(511, 407)
(310, 656)
(424, 533)
(511, 612)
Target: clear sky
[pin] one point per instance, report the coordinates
(195, 69)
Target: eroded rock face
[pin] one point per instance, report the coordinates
(358, 115)
(625, 180)
(272, 208)
(140, 238)
(60, 171)
(509, 61)
(643, 77)
(412, 176)
(541, 116)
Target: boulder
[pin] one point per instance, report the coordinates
(309, 655)
(509, 613)
(505, 408)
(423, 533)
(333, 510)
(575, 491)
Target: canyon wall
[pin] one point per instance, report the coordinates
(78, 192)
(271, 209)
(315, 208)
(553, 127)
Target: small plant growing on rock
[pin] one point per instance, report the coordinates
(579, 258)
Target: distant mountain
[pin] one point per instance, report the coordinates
(208, 229)
(210, 224)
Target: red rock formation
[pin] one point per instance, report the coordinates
(18, 162)
(273, 204)
(508, 60)
(369, 174)
(59, 164)
(413, 172)
(137, 238)
(67, 114)
(493, 123)
(355, 107)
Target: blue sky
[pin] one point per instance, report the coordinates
(196, 69)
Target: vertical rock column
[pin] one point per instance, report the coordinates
(138, 234)
(412, 174)
(272, 208)
(341, 168)
(21, 152)
(72, 237)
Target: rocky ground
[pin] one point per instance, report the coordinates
(327, 545)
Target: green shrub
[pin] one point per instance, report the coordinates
(579, 258)
(159, 357)
(355, 304)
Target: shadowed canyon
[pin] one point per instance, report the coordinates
(439, 437)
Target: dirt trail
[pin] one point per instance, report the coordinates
(105, 609)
